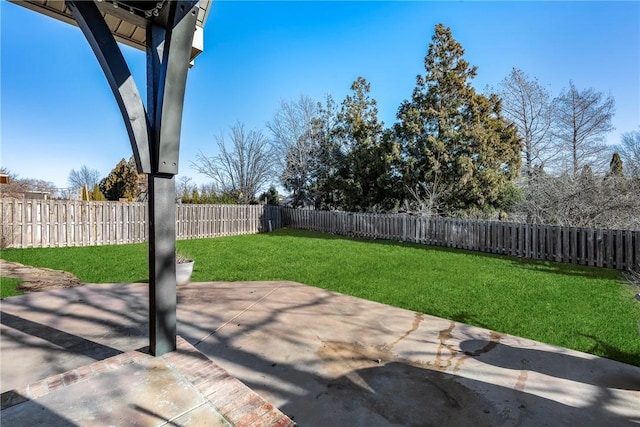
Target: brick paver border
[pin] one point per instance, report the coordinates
(58, 381)
(236, 402)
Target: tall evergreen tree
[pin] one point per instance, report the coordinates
(327, 158)
(270, 197)
(365, 174)
(123, 182)
(195, 196)
(85, 194)
(97, 195)
(615, 176)
(458, 152)
(615, 166)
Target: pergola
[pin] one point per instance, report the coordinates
(171, 34)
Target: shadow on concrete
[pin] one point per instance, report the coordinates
(403, 394)
(363, 390)
(49, 333)
(381, 394)
(586, 278)
(34, 414)
(69, 342)
(154, 414)
(558, 365)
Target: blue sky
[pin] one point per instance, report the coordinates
(58, 114)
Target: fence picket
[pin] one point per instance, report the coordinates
(619, 248)
(636, 263)
(628, 262)
(573, 250)
(591, 259)
(558, 244)
(607, 255)
(599, 247)
(513, 249)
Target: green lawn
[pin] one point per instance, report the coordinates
(8, 287)
(584, 308)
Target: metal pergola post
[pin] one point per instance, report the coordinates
(155, 137)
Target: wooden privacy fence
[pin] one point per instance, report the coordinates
(618, 249)
(57, 223)
(200, 221)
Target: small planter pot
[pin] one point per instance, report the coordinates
(183, 272)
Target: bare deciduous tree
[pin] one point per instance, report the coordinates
(244, 169)
(425, 197)
(85, 176)
(629, 150)
(581, 120)
(18, 186)
(527, 104)
(293, 145)
(184, 186)
(582, 201)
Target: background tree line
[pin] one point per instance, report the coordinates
(569, 175)
(514, 151)
(450, 151)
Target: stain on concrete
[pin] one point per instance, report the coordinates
(445, 352)
(380, 388)
(419, 317)
(340, 358)
(459, 363)
(524, 374)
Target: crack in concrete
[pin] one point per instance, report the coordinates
(237, 315)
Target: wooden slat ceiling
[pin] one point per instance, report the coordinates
(126, 27)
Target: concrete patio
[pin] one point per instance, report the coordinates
(321, 358)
